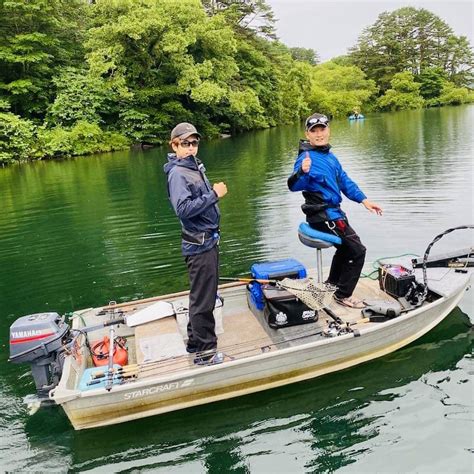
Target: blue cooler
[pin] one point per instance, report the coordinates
(277, 270)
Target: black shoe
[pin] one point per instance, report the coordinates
(209, 359)
(190, 349)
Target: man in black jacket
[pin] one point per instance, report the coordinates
(195, 203)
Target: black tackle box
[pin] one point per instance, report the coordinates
(283, 309)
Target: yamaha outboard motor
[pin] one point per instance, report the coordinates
(38, 339)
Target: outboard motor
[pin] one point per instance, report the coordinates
(38, 339)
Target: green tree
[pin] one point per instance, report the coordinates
(37, 38)
(459, 61)
(246, 16)
(344, 60)
(404, 94)
(452, 95)
(81, 97)
(281, 84)
(338, 90)
(305, 54)
(17, 138)
(410, 39)
(163, 67)
(431, 82)
(81, 139)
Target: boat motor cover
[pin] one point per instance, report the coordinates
(36, 336)
(283, 309)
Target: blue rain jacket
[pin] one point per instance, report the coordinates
(326, 180)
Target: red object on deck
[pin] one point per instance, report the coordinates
(100, 352)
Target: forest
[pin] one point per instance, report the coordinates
(82, 76)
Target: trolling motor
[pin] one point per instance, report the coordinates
(43, 341)
(400, 282)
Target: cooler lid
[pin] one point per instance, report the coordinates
(278, 268)
(274, 293)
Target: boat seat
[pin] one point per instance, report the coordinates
(317, 240)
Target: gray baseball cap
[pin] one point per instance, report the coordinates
(184, 130)
(316, 119)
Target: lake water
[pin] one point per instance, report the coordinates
(78, 233)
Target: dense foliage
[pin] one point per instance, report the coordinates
(79, 77)
(404, 94)
(337, 89)
(414, 45)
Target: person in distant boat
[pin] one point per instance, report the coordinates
(318, 173)
(196, 204)
(356, 113)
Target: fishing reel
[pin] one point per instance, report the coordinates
(335, 329)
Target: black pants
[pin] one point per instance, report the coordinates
(203, 270)
(348, 260)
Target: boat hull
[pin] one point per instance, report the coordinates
(156, 395)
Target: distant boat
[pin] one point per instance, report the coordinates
(356, 117)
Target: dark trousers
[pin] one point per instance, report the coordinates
(203, 270)
(348, 260)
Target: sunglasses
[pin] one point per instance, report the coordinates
(188, 143)
(316, 121)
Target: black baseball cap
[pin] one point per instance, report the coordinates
(316, 119)
(184, 130)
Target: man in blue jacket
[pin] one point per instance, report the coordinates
(318, 173)
(195, 203)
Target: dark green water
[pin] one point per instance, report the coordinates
(81, 232)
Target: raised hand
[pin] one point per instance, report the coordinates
(220, 189)
(306, 164)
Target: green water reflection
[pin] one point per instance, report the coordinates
(81, 232)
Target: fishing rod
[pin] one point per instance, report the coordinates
(133, 370)
(250, 280)
(121, 378)
(170, 363)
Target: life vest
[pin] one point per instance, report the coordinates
(100, 352)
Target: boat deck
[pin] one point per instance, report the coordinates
(158, 347)
(286, 337)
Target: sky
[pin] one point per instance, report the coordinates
(330, 27)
